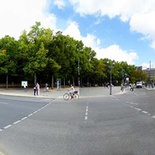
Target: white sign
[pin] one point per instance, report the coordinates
(24, 83)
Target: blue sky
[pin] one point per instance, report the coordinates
(121, 30)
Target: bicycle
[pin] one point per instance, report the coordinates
(69, 95)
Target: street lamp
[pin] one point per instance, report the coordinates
(78, 72)
(111, 67)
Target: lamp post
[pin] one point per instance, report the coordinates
(111, 67)
(78, 72)
(149, 74)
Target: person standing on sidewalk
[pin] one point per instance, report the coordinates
(38, 88)
(35, 90)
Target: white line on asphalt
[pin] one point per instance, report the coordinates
(3, 103)
(34, 112)
(17, 122)
(86, 117)
(30, 115)
(138, 109)
(132, 106)
(86, 112)
(145, 112)
(86, 108)
(24, 118)
(8, 126)
(133, 103)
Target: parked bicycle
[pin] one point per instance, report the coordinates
(69, 95)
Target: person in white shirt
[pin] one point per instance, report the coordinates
(71, 90)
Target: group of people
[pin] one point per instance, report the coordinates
(36, 89)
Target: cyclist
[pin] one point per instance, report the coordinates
(71, 90)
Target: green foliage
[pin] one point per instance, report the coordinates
(8, 54)
(138, 75)
(40, 52)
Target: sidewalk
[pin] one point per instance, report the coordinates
(54, 93)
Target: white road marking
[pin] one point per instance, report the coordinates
(30, 115)
(131, 106)
(17, 122)
(133, 103)
(86, 113)
(145, 112)
(138, 109)
(3, 103)
(24, 118)
(8, 126)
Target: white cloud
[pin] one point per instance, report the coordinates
(144, 24)
(59, 3)
(139, 13)
(19, 15)
(73, 30)
(123, 8)
(113, 52)
(148, 65)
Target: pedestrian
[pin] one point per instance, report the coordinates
(122, 87)
(46, 86)
(38, 89)
(131, 87)
(35, 90)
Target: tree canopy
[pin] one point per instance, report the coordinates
(41, 56)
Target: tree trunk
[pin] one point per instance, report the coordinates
(64, 82)
(35, 78)
(73, 81)
(52, 84)
(7, 81)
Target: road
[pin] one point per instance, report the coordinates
(121, 124)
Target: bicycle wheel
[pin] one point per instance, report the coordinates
(66, 96)
(76, 96)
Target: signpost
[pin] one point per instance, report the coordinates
(24, 84)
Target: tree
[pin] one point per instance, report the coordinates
(34, 45)
(8, 55)
(138, 75)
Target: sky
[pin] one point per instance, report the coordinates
(121, 30)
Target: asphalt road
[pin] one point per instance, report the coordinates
(121, 124)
